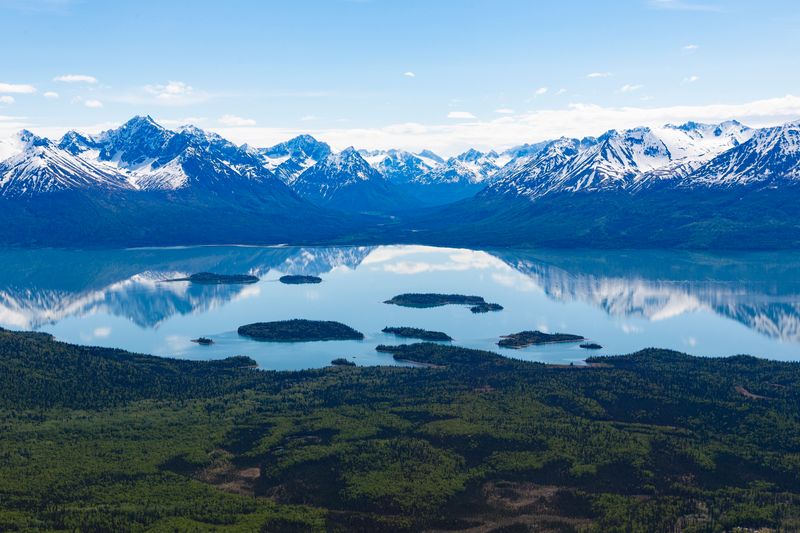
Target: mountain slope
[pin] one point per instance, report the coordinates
(399, 166)
(769, 158)
(630, 160)
(291, 158)
(40, 167)
(346, 182)
(141, 184)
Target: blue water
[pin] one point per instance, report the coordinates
(704, 304)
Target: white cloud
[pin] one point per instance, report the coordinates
(172, 93)
(561, 91)
(572, 120)
(233, 120)
(691, 79)
(17, 88)
(461, 115)
(94, 104)
(628, 88)
(7, 100)
(308, 118)
(598, 75)
(409, 74)
(689, 48)
(51, 95)
(172, 90)
(76, 78)
(504, 111)
(540, 91)
(101, 332)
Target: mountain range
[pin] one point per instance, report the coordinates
(691, 185)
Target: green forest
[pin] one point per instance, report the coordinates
(96, 439)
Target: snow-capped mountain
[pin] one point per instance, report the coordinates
(532, 177)
(193, 178)
(291, 158)
(347, 182)
(770, 156)
(38, 166)
(629, 160)
(154, 158)
(142, 155)
(471, 167)
(399, 166)
(520, 153)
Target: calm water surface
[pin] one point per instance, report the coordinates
(704, 304)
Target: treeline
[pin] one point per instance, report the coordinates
(657, 441)
(36, 371)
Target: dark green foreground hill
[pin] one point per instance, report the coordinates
(102, 440)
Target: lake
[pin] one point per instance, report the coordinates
(703, 304)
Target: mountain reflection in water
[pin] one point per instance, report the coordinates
(45, 289)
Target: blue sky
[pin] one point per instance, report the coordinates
(443, 74)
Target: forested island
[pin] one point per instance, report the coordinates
(209, 278)
(485, 307)
(98, 439)
(529, 338)
(299, 330)
(417, 333)
(295, 279)
(426, 300)
(341, 361)
(591, 346)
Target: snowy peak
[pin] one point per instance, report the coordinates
(345, 167)
(771, 156)
(301, 146)
(291, 158)
(628, 160)
(140, 155)
(429, 155)
(344, 181)
(77, 143)
(134, 142)
(468, 168)
(399, 166)
(40, 167)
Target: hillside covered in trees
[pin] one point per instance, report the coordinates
(95, 439)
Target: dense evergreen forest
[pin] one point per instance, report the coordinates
(95, 439)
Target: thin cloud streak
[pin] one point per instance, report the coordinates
(574, 120)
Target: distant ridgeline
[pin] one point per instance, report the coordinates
(689, 186)
(97, 439)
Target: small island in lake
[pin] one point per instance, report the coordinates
(294, 279)
(591, 346)
(485, 308)
(528, 338)
(299, 330)
(209, 278)
(205, 341)
(426, 300)
(417, 333)
(341, 361)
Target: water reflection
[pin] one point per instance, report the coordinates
(40, 287)
(667, 297)
(761, 291)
